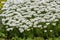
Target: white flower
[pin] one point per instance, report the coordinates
(47, 23)
(21, 30)
(8, 29)
(18, 9)
(51, 30)
(54, 24)
(17, 1)
(35, 26)
(25, 27)
(28, 29)
(45, 30)
(45, 26)
(56, 20)
(39, 26)
(6, 26)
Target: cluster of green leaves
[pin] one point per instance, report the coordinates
(35, 38)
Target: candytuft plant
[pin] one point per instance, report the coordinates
(37, 18)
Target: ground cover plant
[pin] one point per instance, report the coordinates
(28, 19)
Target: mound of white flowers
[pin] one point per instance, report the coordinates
(28, 14)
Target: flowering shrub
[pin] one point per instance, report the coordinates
(29, 14)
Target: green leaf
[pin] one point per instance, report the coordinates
(2, 39)
(29, 39)
(2, 34)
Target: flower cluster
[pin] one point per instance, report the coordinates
(28, 14)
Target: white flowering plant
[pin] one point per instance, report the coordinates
(35, 17)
